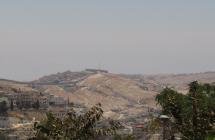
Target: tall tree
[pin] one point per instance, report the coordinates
(193, 113)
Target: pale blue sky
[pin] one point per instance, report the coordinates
(39, 37)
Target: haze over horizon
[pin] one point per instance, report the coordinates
(135, 37)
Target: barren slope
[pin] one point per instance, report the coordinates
(181, 81)
(113, 92)
(178, 81)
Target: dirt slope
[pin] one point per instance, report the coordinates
(112, 91)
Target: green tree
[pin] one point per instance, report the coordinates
(153, 125)
(74, 127)
(193, 113)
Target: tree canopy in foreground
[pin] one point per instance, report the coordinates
(74, 127)
(193, 113)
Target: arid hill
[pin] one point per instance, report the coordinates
(178, 81)
(114, 92)
(120, 95)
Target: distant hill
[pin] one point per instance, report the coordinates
(10, 86)
(113, 91)
(62, 78)
(120, 95)
(178, 81)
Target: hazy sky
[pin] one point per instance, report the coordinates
(40, 37)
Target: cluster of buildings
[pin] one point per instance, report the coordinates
(29, 100)
(14, 125)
